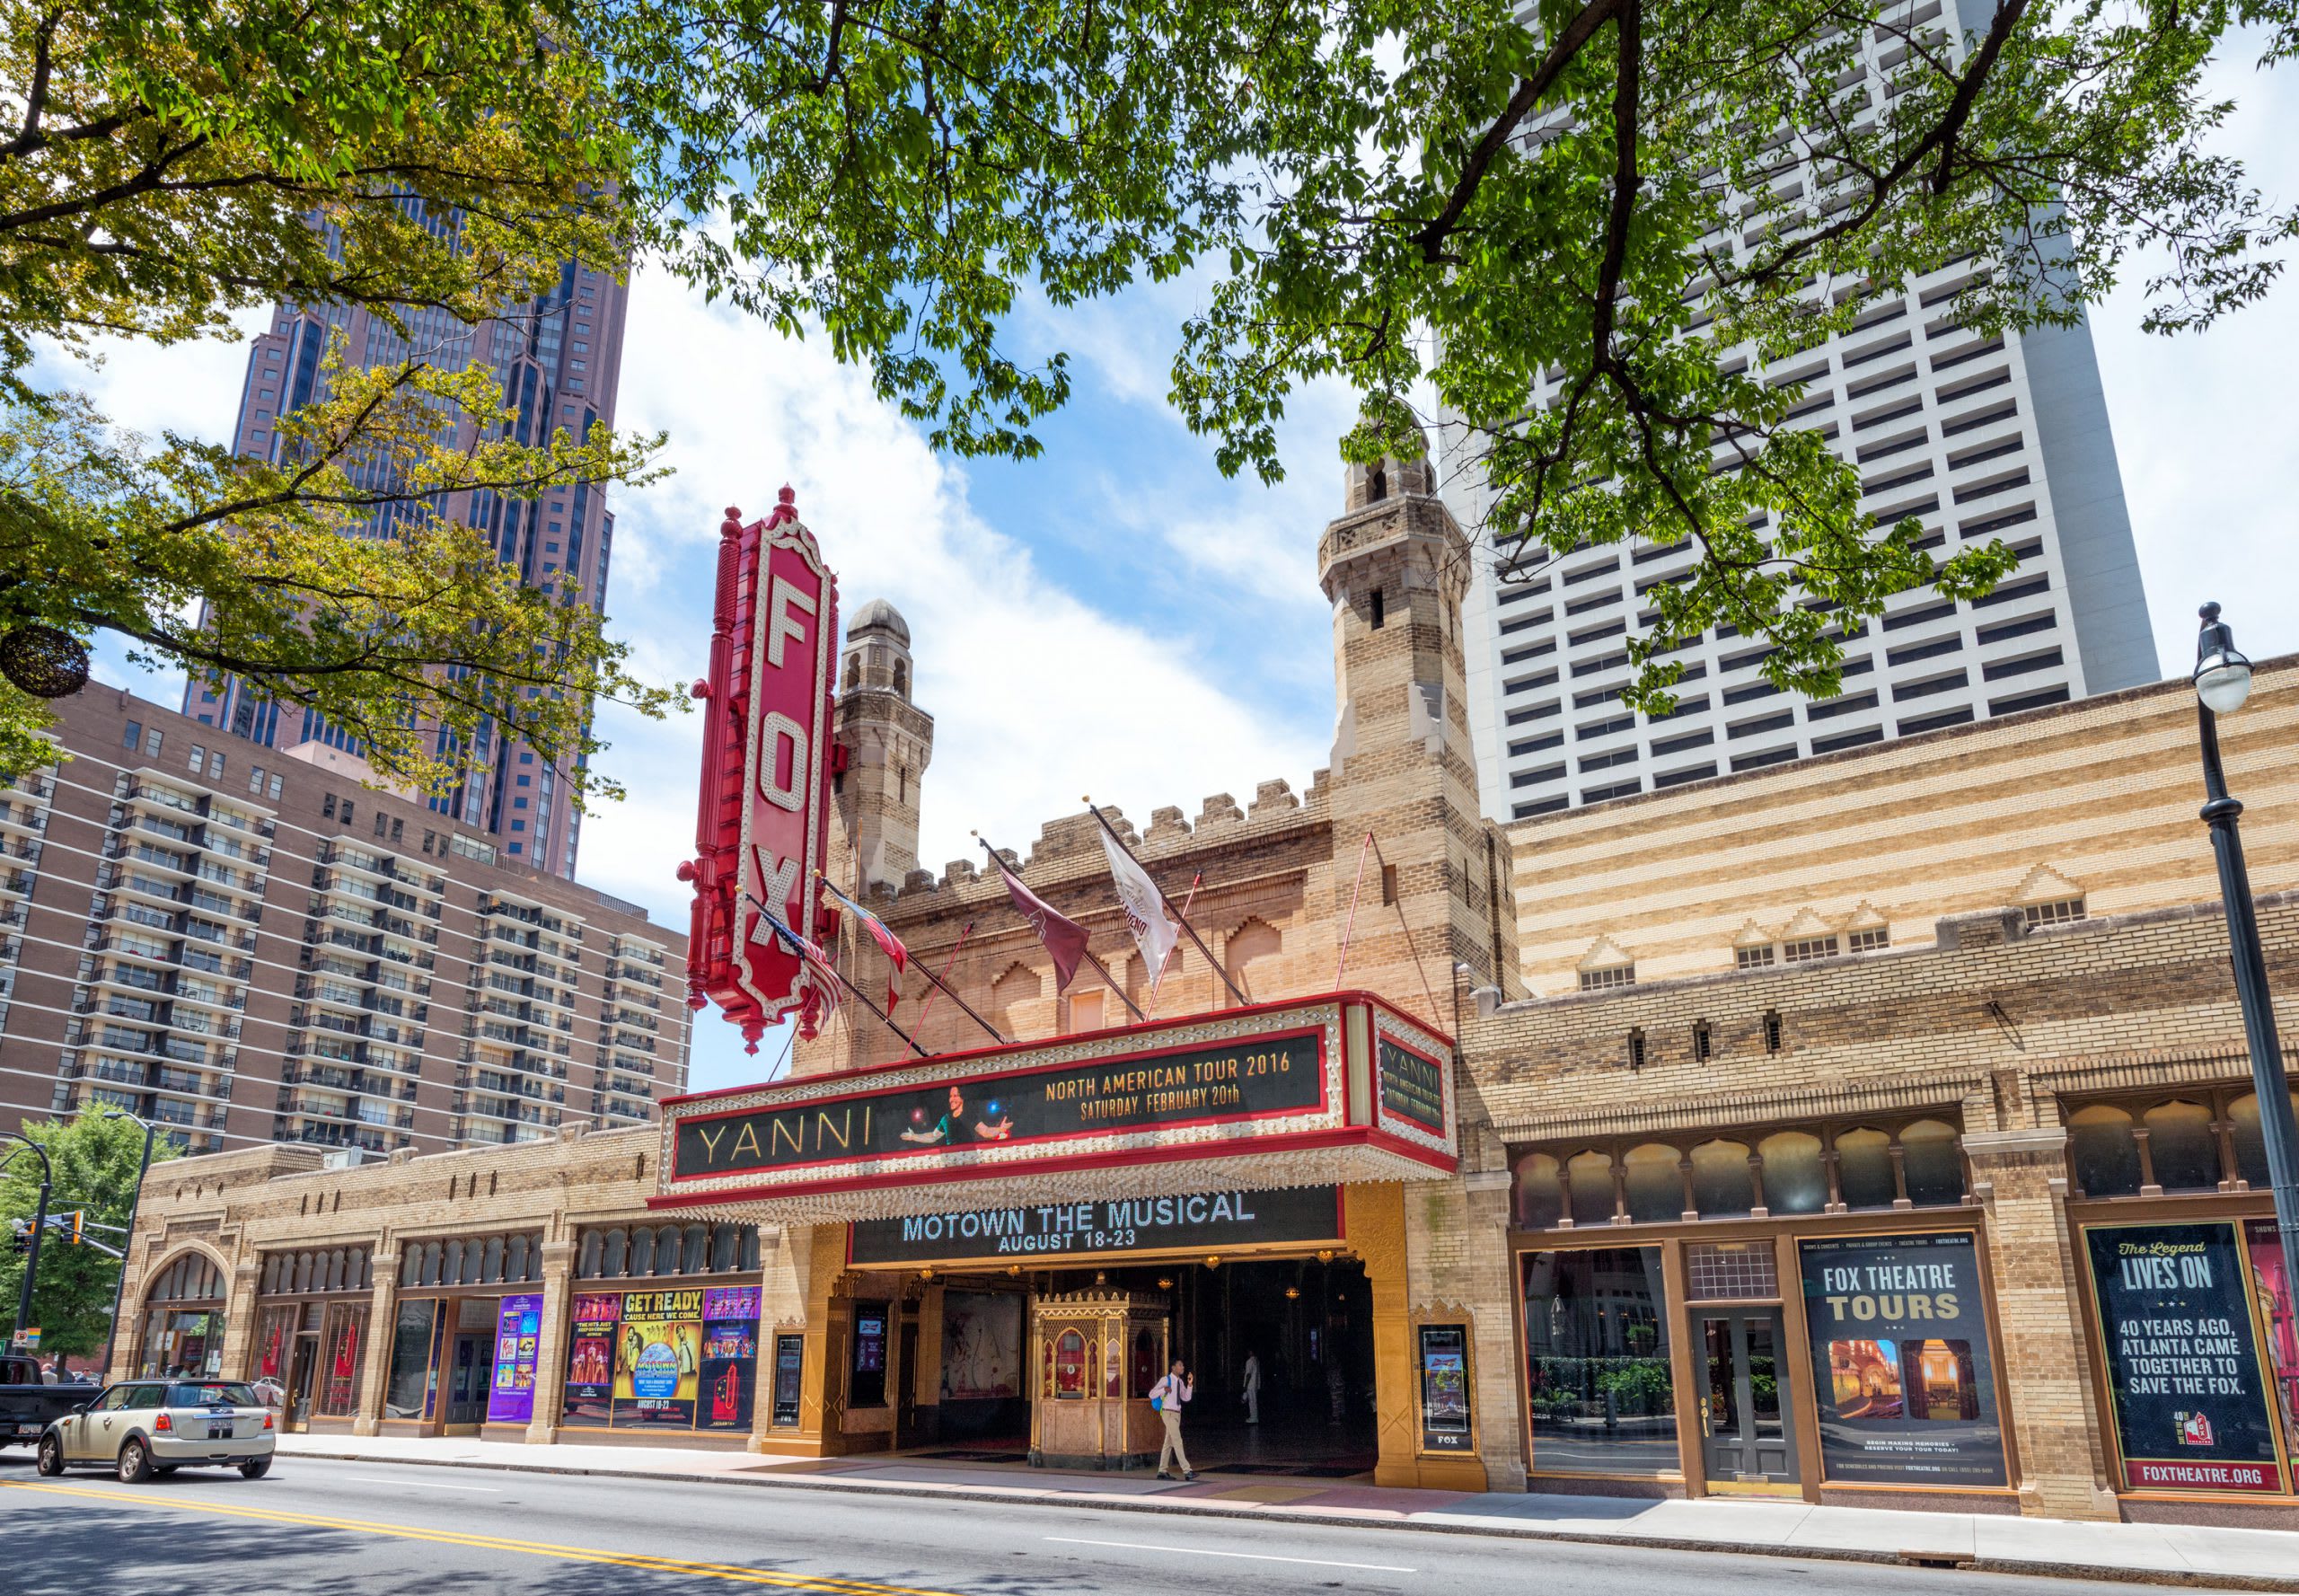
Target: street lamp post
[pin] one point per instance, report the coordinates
(135, 1199)
(40, 1223)
(2222, 681)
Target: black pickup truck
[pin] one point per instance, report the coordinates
(26, 1406)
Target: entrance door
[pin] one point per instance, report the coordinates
(470, 1367)
(303, 1381)
(906, 1396)
(1745, 1436)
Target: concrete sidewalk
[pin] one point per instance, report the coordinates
(2152, 1554)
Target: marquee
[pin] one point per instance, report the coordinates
(1327, 1090)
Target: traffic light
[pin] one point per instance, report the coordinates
(79, 1218)
(19, 1235)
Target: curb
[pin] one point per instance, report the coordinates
(1199, 1507)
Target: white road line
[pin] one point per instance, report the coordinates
(1137, 1546)
(428, 1484)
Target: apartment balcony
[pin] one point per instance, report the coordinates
(20, 817)
(17, 883)
(146, 795)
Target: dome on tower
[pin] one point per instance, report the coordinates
(879, 615)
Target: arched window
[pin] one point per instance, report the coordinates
(303, 1272)
(270, 1273)
(1795, 1181)
(491, 1270)
(1722, 1184)
(902, 678)
(411, 1266)
(642, 1251)
(335, 1269)
(593, 1245)
(853, 672)
(727, 1248)
(451, 1264)
(2250, 1142)
(432, 1254)
(1540, 1193)
(1377, 484)
(750, 1247)
(1863, 1169)
(1656, 1187)
(2183, 1147)
(1592, 1176)
(698, 1249)
(515, 1259)
(616, 1262)
(2106, 1154)
(1931, 1164)
(1253, 947)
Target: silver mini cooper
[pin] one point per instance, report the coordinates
(139, 1428)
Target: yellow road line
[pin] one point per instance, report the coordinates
(574, 1553)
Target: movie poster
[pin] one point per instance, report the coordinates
(789, 1379)
(730, 1359)
(2276, 1312)
(982, 1345)
(590, 1358)
(1444, 1388)
(1900, 1364)
(518, 1336)
(2182, 1357)
(657, 1360)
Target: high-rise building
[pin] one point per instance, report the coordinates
(560, 359)
(1980, 436)
(245, 946)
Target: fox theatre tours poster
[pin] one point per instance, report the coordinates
(1900, 1361)
(2183, 1358)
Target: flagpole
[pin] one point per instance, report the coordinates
(950, 963)
(1102, 969)
(850, 986)
(1164, 963)
(1188, 930)
(831, 888)
(1349, 930)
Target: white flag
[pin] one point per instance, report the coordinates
(1145, 914)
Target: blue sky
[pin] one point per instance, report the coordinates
(1115, 617)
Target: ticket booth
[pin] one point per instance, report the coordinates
(1095, 1354)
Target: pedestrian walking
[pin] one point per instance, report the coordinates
(1166, 1396)
(1253, 1388)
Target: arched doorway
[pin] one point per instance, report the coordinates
(183, 1319)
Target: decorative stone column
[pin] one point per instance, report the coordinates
(239, 1313)
(2019, 1176)
(551, 1342)
(383, 1315)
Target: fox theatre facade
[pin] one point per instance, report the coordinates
(998, 1252)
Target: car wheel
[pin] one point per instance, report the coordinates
(135, 1463)
(51, 1456)
(255, 1468)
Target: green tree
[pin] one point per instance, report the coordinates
(96, 1159)
(1640, 208)
(173, 162)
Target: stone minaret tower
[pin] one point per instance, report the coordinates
(889, 741)
(1395, 566)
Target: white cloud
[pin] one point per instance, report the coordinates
(1038, 696)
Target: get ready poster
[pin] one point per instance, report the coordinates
(658, 1358)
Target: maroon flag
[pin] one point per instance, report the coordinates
(1064, 938)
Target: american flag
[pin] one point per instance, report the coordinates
(821, 975)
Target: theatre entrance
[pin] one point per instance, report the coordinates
(1305, 1324)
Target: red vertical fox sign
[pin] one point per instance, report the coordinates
(763, 830)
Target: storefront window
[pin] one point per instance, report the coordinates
(343, 1347)
(2183, 1148)
(1863, 1169)
(1591, 1178)
(1656, 1186)
(1931, 1164)
(183, 1327)
(1540, 1192)
(407, 1393)
(1597, 1362)
(2106, 1152)
(1722, 1184)
(1795, 1181)
(2250, 1142)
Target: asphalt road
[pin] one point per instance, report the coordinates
(332, 1529)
